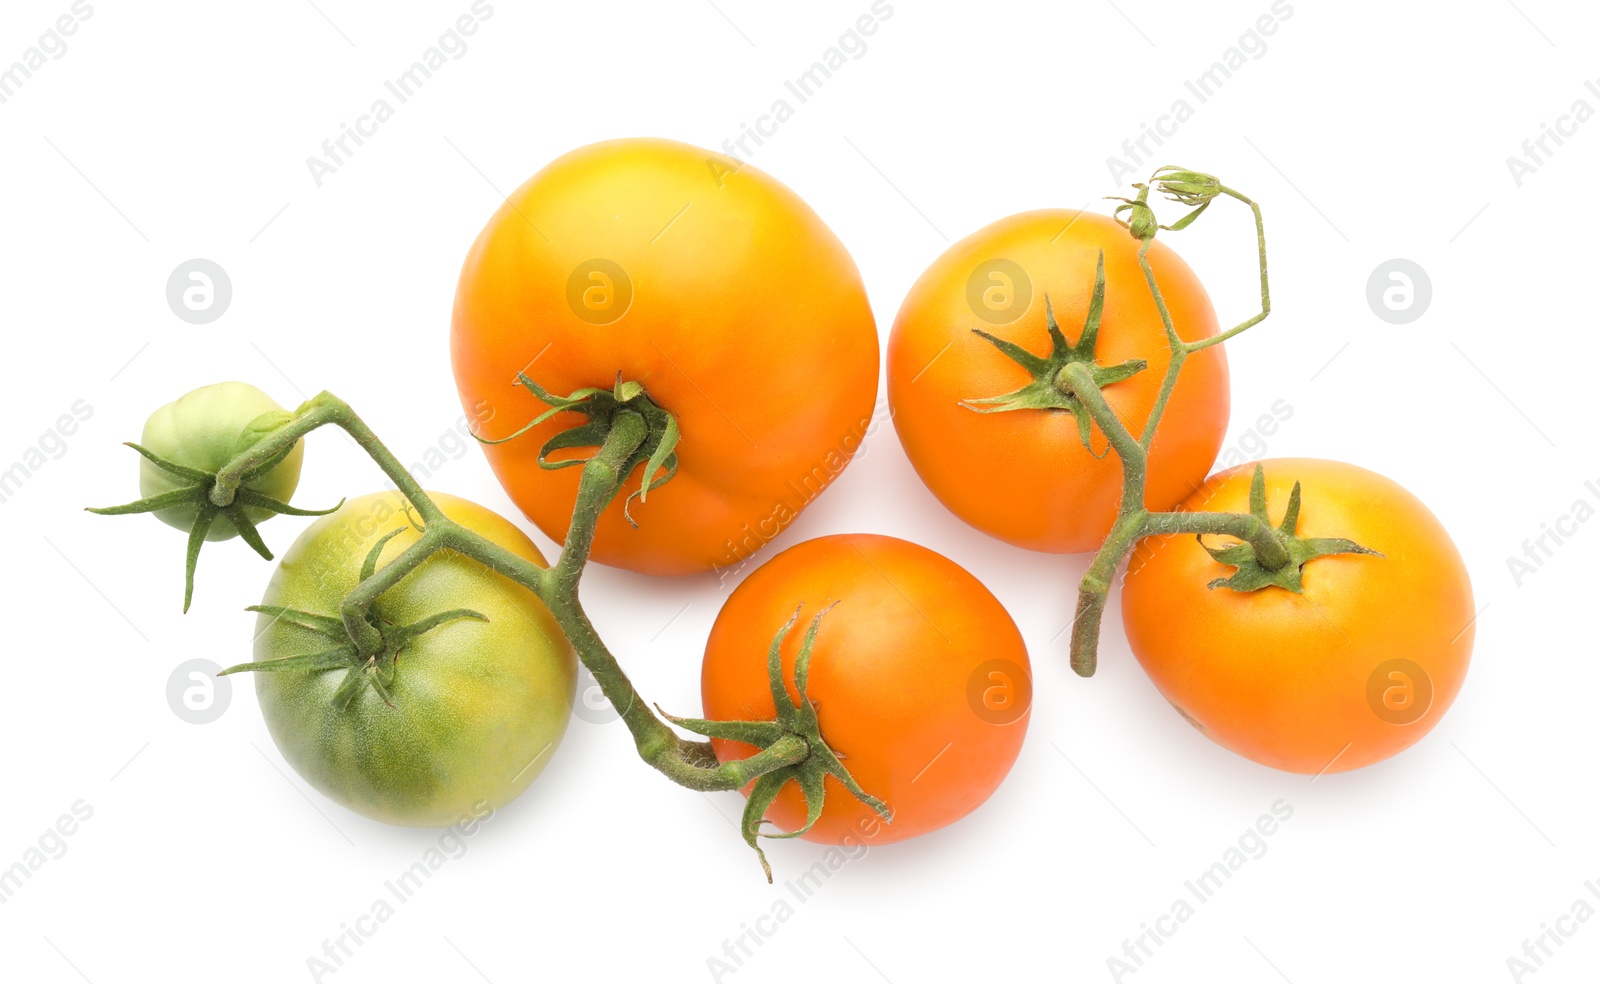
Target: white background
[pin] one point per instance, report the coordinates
(1368, 130)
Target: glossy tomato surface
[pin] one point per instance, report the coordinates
(1359, 666)
(479, 706)
(705, 280)
(920, 677)
(1024, 476)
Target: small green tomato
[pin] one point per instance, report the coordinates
(206, 429)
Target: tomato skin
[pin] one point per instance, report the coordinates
(744, 316)
(1289, 680)
(205, 429)
(891, 674)
(478, 706)
(1024, 476)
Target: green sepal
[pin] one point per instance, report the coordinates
(762, 794)
(757, 733)
(175, 497)
(793, 717)
(586, 435)
(1249, 574)
(376, 671)
(172, 467)
(405, 633)
(1043, 391)
(247, 530)
(349, 687)
(197, 539)
(198, 495)
(330, 659)
(254, 499)
(325, 625)
(1184, 222)
(379, 677)
(369, 565)
(657, 453)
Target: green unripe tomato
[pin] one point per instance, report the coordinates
(206, 429)
(478, 706)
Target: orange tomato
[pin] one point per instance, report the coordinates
(1358, 667)
(708, 282)
(1024, 476)
(920, 679)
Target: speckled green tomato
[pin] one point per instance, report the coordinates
(206, 429)
(479, 707)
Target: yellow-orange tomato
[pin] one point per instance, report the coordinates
(708, 282)
(1358, 667)
(919, 676)
(1024, 476)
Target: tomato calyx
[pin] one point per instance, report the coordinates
(1250, 573)
(602, 406)
(202, 494)
(795, 719)
(376, 670)
(1051, 387)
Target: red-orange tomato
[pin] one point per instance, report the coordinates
(1355, 669)
(1024, 476)
(708, 282)
(920, 678)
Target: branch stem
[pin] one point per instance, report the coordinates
(688, 763)
(1133, 521)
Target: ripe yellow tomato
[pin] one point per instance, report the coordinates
(920, 679)
(705, 280)
(1357, 667)
(1024, 476)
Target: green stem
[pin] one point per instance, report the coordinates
(688, 763)
(358, 603)
(602, 478)
(1076, 379)
(1096, 586)
(1133, 521)
(1180, 352)
(324, 408)
(312, 414)
(1269, 550)
(1266, 293)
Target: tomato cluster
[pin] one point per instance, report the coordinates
(677, 356)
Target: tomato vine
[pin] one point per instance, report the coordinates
(628, 429)
(1071, 380)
